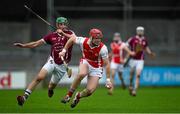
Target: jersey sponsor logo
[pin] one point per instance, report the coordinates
(61, 38)
(138, 48)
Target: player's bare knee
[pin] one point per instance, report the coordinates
(81, 75)
(132, 72)
(113, 76)
(138, 76)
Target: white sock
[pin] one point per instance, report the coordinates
(27, 93)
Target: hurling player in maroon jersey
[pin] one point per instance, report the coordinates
(139, 45)
(54, 65)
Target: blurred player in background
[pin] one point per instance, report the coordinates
(138, 44)
(54, 65)
(117, 54)
(95, 56)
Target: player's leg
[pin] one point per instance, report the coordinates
(92, 84)
(122, 80)
(41, 75)
(83, 71)
(52, 84)
(110, 91)
(58, 73)
(131, 75)
(120, 74)
(47, 69)
(139, 68)
(113, 67)
(138, 72)
(51, 88)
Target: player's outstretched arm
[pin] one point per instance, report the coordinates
(68, 44)
(148, 50)
(107, 66)
(30, 44)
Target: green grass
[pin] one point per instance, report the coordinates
(157, 100)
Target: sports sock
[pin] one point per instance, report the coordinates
(83, 93)
(70, 92)
(27, 93)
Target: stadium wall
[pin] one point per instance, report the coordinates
(151, 76)
(163, 37)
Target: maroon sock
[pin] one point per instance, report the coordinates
(70, 92)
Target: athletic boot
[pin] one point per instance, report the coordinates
(110, 92)
(134, 93)
(50, 93)
(75, 100)
(130, 90)
(66, 99)
(123, 86)
(21, 100)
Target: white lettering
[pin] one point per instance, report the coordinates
(169, 76)
(150, 76)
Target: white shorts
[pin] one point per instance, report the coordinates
(55, 70)
(92, 70)
(117, 67)
(136, 64)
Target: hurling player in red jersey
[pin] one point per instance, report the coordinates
(117, 54)
(139, 45)
(54, 65)
(94, 57)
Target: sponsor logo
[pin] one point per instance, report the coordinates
(5, 81)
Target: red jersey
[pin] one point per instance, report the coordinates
(138, 45)
(92, 54)
(117, 51)
(57, 43)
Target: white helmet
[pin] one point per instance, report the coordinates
(140, 30)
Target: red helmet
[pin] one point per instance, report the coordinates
(95, 33)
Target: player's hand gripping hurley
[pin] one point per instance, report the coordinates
(69, 71)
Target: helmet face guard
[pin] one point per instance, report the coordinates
(95, 36)
(61, 20)
(116, 37)
(140, 30)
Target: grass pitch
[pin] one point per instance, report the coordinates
(154, 100)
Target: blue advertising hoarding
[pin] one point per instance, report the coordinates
(154, 76)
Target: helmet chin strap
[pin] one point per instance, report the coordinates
(140, 35)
